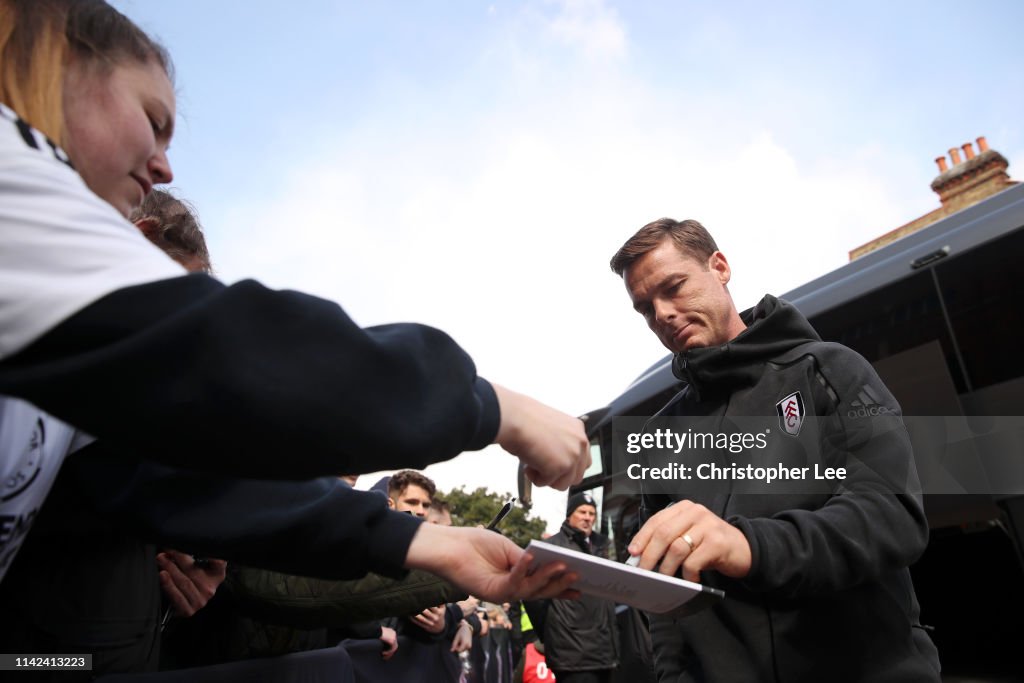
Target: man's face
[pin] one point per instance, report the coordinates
(582, 518)
(684, 301)
(442, 517)
(412, 499)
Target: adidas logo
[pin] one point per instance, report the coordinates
(866, 405)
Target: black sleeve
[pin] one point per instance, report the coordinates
(364, 630)
(875, 522)
(452, 617)
(320, 527)
(254, 382)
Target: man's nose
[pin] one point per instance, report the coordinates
(664, 311)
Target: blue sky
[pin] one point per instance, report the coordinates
(474, 165)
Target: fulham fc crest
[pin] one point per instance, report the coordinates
(791, 413)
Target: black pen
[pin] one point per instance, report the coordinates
(505, 509)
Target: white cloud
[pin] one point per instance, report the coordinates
(589, 26)
(497, 223)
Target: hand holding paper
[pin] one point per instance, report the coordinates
(486, 564)
(650, 591)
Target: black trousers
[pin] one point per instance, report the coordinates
(331, 665)
(599, 676)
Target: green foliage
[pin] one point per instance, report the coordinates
(480, 507)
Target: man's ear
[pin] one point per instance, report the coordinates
(148, 225)
(720, 267)
(391, 502)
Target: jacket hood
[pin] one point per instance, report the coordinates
(773, 327)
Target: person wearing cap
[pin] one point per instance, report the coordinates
(815, 575)
(580, 636)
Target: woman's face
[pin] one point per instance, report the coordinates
(119, 122)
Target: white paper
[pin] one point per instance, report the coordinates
(646, 590)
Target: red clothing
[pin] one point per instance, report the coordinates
(536, 667)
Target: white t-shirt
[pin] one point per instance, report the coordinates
(32, 447)
(61, 246)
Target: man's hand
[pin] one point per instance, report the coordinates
(716, 544)
(431, 619)
(463, 639)
(486, 564)
(187, 584)
(551, 444)
(468, 606)
(389, 638)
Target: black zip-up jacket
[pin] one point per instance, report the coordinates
(580, 635)
(829, 595)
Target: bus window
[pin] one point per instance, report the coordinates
(596, 466)
(904, 315)
(620, 516)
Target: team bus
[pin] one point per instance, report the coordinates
(940, 315)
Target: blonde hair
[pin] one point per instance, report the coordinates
(38, 38)
(33, 51)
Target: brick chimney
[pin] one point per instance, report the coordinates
(977, 176)
(972, 179)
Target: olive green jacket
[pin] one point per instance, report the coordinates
(307, 603)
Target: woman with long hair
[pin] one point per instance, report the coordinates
(102, 330)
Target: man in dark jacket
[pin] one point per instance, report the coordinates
(580, 636)
(815, 575)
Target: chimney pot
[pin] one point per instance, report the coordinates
(968, 149)
(941, 161)
(954, 154)
(982, 144)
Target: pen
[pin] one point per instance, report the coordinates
(505, 509)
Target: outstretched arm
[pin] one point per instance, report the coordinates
(102, 330)
(486, 564)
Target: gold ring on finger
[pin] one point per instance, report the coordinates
(689, 541)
